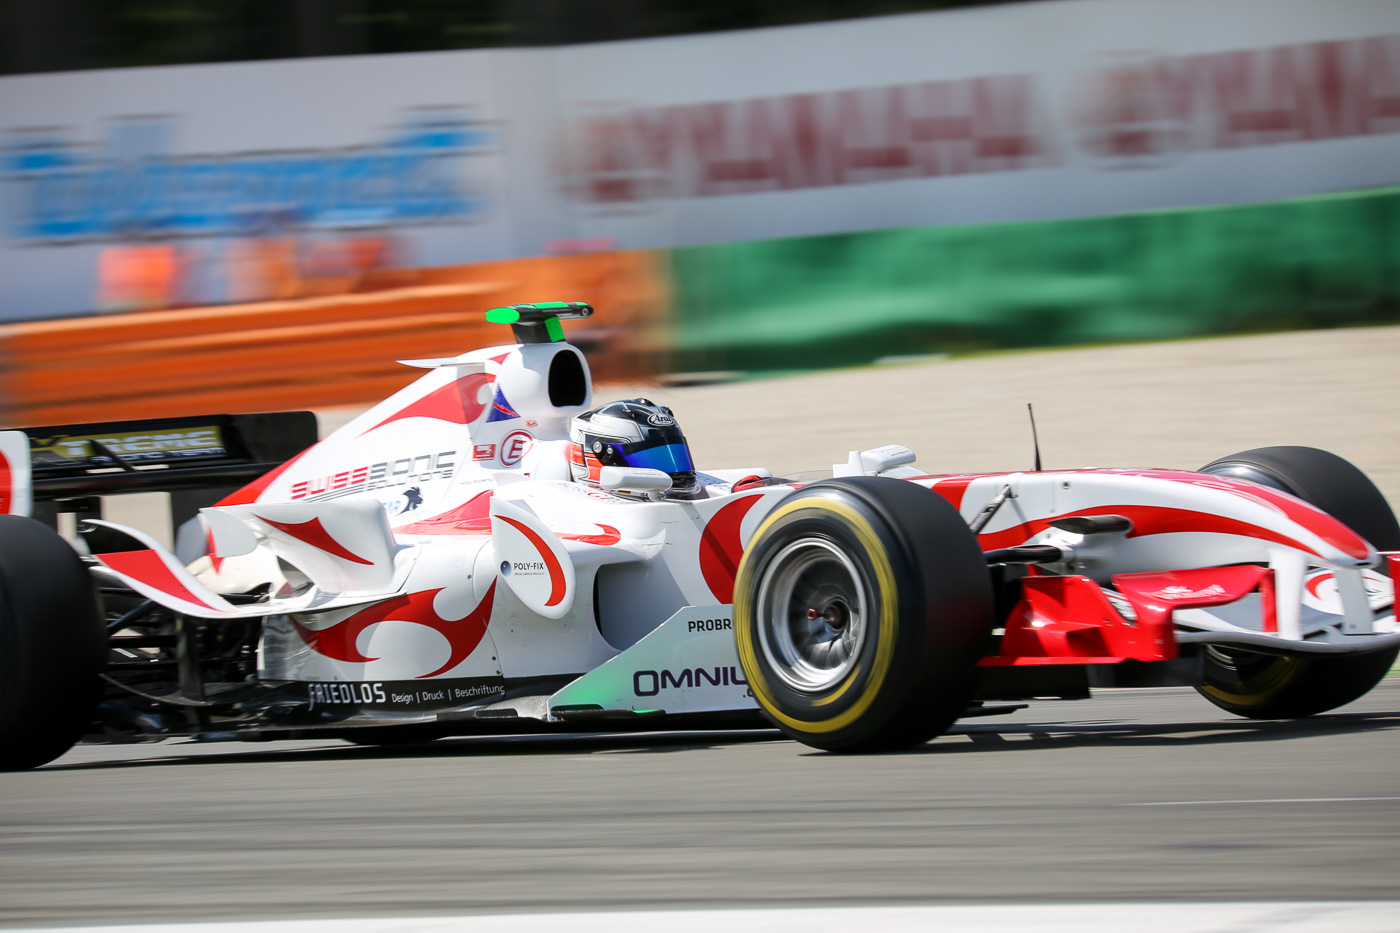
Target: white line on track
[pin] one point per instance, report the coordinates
(1209, 803)
(1283, 917)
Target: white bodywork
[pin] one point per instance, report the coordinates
(433, 555)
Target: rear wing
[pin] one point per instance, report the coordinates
(198, 460)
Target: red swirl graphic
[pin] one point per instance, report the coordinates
(214, 559)
(609, 536)
(314, 533)
(338, 642)
(1147, 520)
(721, 548)
(472, 517)
(148, 567)
(455, 402)
(6, 486)
(551, 563)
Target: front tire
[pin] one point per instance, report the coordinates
(53, 645)
(861, 609)
(1260, 686)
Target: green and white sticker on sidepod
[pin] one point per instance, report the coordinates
(687, 665)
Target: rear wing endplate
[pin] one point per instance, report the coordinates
(200, 459)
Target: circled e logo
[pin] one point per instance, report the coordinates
(513, 447)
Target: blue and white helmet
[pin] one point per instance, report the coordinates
(633, 432)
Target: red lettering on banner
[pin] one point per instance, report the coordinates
(1381, 89)
(1002, 123)
(1329, 113)
(1136, 111)
(846, 137)
(1229, 78)
(804, 151)
(705, 126)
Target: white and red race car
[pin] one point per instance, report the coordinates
(455, 560)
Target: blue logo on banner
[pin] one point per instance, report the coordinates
(56, 190)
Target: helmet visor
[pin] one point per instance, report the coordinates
(668, 458)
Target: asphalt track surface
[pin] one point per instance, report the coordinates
(1132, 796)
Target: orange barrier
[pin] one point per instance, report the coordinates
(316, 352)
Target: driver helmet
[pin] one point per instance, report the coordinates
(634, 432)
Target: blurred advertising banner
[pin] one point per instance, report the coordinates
(990, 115)
(199, 185)
(98, 167)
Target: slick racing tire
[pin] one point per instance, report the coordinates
(861, 609)
(53, 645)
(1261, 686)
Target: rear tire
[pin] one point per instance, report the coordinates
(861, 609)
(1260, 686)
(53, 645)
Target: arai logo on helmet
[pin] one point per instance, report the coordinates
(660, 419)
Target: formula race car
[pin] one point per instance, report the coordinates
(486, 550)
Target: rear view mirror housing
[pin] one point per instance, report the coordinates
(635, 479)
(875, 461)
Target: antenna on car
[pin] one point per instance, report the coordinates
(1035, 440)
(539, 322)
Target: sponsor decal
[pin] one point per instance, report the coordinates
(60, 189)
(500, 408)
(388, 474)
(660, 419)
(1172, 593)
(1121, 605)
(514, 446)
(64, 450)
(484, 452)
(549, 564)
(651, 683)
(402, 696)
(710, 625)
(408, 500)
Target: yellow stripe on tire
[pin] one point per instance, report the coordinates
(1276, 676)
(889, 616)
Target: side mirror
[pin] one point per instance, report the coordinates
(635, 479)
(875, 461)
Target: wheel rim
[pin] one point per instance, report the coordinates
(812, 613)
